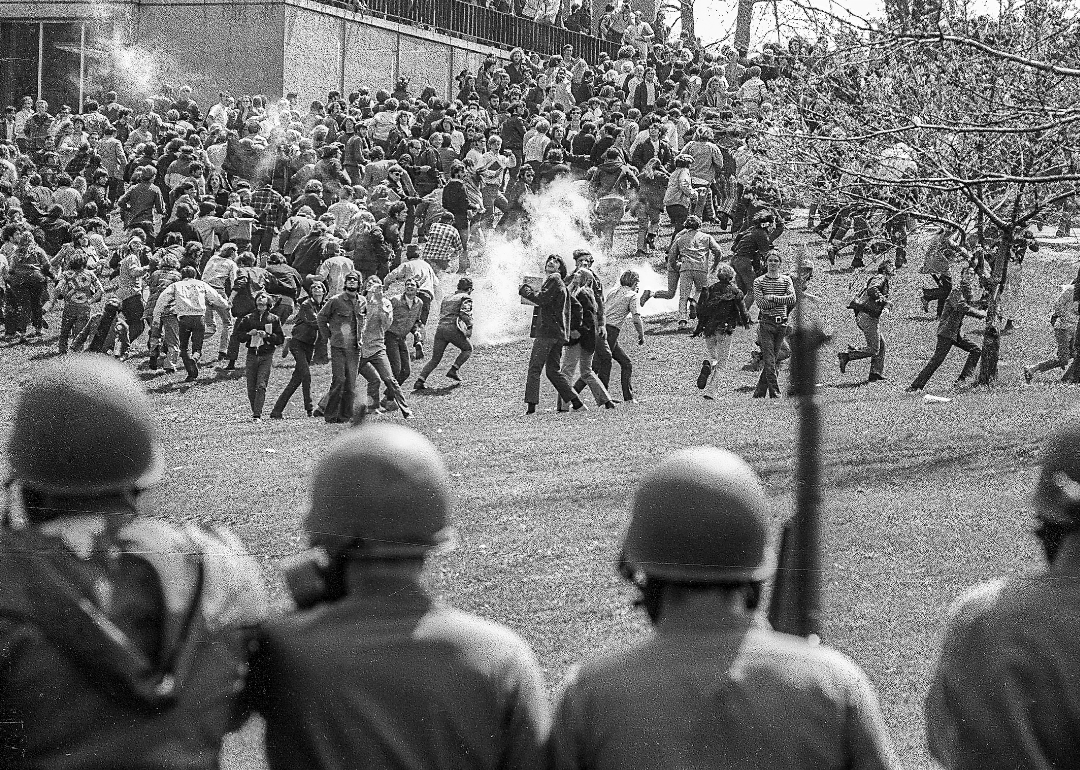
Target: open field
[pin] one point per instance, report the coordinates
(921, 499)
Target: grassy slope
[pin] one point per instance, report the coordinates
(920, 499)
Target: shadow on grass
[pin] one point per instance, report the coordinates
(668, 332)
(922, 318)
(177, 386)
(442, 391)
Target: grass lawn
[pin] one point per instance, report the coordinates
(920, 499)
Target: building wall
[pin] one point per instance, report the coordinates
(213, 46)
(329, 48)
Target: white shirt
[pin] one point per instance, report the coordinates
(333, 271)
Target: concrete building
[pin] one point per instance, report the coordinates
(69, 50)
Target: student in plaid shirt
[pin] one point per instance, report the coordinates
(443, 242)
(272, 209)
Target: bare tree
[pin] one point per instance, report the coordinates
(986, 111)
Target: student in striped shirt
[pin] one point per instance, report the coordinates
(774, 294)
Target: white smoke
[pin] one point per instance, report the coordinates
(558, 224)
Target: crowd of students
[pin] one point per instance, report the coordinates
(183, 221)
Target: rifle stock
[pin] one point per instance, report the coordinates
(795, 602)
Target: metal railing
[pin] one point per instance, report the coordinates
(483, 25)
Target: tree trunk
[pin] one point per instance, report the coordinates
(742, 24)
(988, 366)
(686, 14)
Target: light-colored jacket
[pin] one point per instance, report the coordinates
(188, 297)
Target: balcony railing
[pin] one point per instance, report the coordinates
(484, 25)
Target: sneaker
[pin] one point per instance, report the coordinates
(191, 378)
(389, 404)
(877, 377)
(169, 370)
(419, 385)
(418, 351)
(709, 397)
(581, 407)
(912, 389)
(843, 361)
(222, 356)
(196, 357)
(453, 375)
(609, 405)
(1028, 375)
(703, 376)
(276, 416)
(645, 296)
(256, 418)
(693, 310)
(310, 412)
(406, 412)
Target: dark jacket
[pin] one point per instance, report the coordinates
(720, 309)
(551, 318)
(309, 253)
(369, 250)
(259, 321)
(644, 152)
(584, 318)
(306, 322)
(249, 282)
(456, 201)
(74, 694)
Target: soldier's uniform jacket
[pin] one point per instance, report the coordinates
(738, 697)
(1006, 690)
(399, 680)
(136, 665)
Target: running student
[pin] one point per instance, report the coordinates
(721, 307)
(455, 328)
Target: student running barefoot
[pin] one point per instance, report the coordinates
(455, 328)
(261, 329)
(721, 307)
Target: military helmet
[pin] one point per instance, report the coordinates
(381, 492)
(700, 517)
(1057, 493)
(83, 428)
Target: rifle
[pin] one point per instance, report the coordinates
(795, 603)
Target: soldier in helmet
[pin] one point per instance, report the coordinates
(374, 672)
(713, 686)
(1005, 692)
(123, 639)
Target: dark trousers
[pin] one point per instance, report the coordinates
(302, 353)
(944, 345)
(262, 240)
(72, 321)
(425, 305)
(376, 369)
(192, 329)
(601, 361)
(444, 337)
(133, 309)
(677, 213)
(603, 364)
(344, 365)
(257, 370)
(24, 298)
(771, 338)
(546, 357)
(398, 354)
